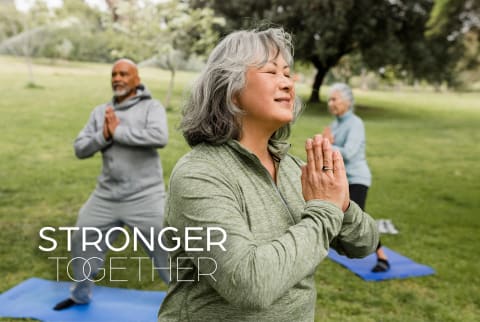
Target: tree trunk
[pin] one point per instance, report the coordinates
(317, 83)
(31, 78)
(27, 52)
(323, 66)
(112, 5)
(364, 84)
(170, 88)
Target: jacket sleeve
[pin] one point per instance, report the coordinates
(155, 133)
(90, 139)
(251, 273)
(358, 236)
(354, 141)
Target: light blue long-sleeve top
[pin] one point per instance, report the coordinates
(349, 138)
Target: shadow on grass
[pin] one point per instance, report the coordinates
(31, 85)
(314, 109)
(363, 111)
(381, 113)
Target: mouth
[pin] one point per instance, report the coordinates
(283, 100)
(117, 85)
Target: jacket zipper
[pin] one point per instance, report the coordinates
(275, 187)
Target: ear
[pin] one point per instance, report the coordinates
(235, 100)
(137, 81)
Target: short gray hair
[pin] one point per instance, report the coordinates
(345, 92)
(126, 60)
(209, 114)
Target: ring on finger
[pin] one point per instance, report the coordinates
(325, 168)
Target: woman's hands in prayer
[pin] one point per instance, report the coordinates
(324, 176)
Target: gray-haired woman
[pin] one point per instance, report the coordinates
(278, 216)
(347, 135)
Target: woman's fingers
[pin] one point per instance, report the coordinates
(338, 165)
(319, 155)
(327, 157)
(317, 152)
(310, 156)
(318, 177)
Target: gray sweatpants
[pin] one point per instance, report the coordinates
(142, 213)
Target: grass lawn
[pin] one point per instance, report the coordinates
(423, 150)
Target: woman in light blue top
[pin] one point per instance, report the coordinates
(347, 135)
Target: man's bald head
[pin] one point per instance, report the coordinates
(125, 79)
(126, 60)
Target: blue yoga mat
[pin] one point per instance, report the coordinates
(35, 298)
(400, 266)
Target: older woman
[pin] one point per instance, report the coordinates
(279, 217)
(347, 134)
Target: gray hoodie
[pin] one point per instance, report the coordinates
(131, 165)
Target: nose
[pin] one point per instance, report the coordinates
(286, 83)
(116, 77)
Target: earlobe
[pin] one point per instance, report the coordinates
(235, 100)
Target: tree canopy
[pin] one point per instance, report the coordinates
(386, 32)
(454, 38)
(166, 33)
(428, 40)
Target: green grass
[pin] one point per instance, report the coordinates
(422, 148)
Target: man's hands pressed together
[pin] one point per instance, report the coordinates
(110, 124)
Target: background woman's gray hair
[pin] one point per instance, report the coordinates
(209, 114)
(345, 91)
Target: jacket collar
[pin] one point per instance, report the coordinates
(278, 149)
(142, 93)
(345, 116)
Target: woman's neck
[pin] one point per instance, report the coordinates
(257, 143)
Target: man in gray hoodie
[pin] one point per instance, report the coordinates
(130, 189)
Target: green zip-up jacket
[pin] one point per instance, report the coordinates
(275, 240)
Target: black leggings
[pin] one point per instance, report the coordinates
(358, 193)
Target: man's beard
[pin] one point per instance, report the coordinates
(121, 92)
